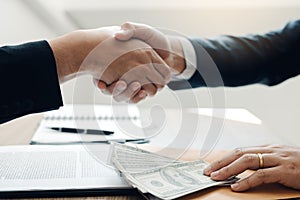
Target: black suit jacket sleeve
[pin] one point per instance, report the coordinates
(267, 59)
(28, 80)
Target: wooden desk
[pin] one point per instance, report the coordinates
(21, 130)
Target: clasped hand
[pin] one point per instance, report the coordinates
(167, 47)
(124, 67)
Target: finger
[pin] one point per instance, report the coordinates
(150, 88)
(101, 85)
(247, 161)
(109, 89)
(132, 89)
(116, 88)
(135, 30)
(146, 75)
(120, 87)
(141, 95)
(234, 155)
(262, 176)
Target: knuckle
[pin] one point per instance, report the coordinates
(219, 163)
(291, 166)
(150, 90)
(248, 159)
(224, 171)
(216, 165)
(283, 155)
(247, 182)
(127, 25)
(276, 146)
(238, 152)
(261, 174)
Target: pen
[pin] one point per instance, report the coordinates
(122, 141)
(81, 131)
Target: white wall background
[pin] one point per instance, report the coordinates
(278, 107)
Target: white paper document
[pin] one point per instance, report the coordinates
(63, 167)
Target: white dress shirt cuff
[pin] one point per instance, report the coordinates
(190, 61)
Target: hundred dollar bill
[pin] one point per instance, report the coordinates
(140, 153)
(161, 176)
(131, 160)
(175, 180)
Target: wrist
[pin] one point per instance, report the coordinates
(176, 60)
(63, 51)
(70, 51)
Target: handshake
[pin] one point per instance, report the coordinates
(129, 62)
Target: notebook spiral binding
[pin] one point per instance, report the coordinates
(65, 117)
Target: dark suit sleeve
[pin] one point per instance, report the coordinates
(28, 80)
(266, 59)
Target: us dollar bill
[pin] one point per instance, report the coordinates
(161, 176)
(175, 180)
(128, 159)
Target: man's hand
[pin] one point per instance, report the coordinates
(98, 53)
(169, 48)
(122, 92)
(281, 164)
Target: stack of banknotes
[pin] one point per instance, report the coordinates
(162, 177)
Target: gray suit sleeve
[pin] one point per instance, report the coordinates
(235, 61)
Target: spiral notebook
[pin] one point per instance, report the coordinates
(123, 121)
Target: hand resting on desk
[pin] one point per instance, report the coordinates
(274, 164)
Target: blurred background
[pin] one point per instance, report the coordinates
(278, 107)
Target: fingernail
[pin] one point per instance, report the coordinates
(214, 174)
(134, 86)
(235, 186)
(142, 95)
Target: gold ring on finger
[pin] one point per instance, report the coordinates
(261, 160)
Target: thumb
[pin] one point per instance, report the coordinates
(148, 34)
(124, 34)
(128, 31)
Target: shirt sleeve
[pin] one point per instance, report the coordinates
(190, 60)
(28, 81)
